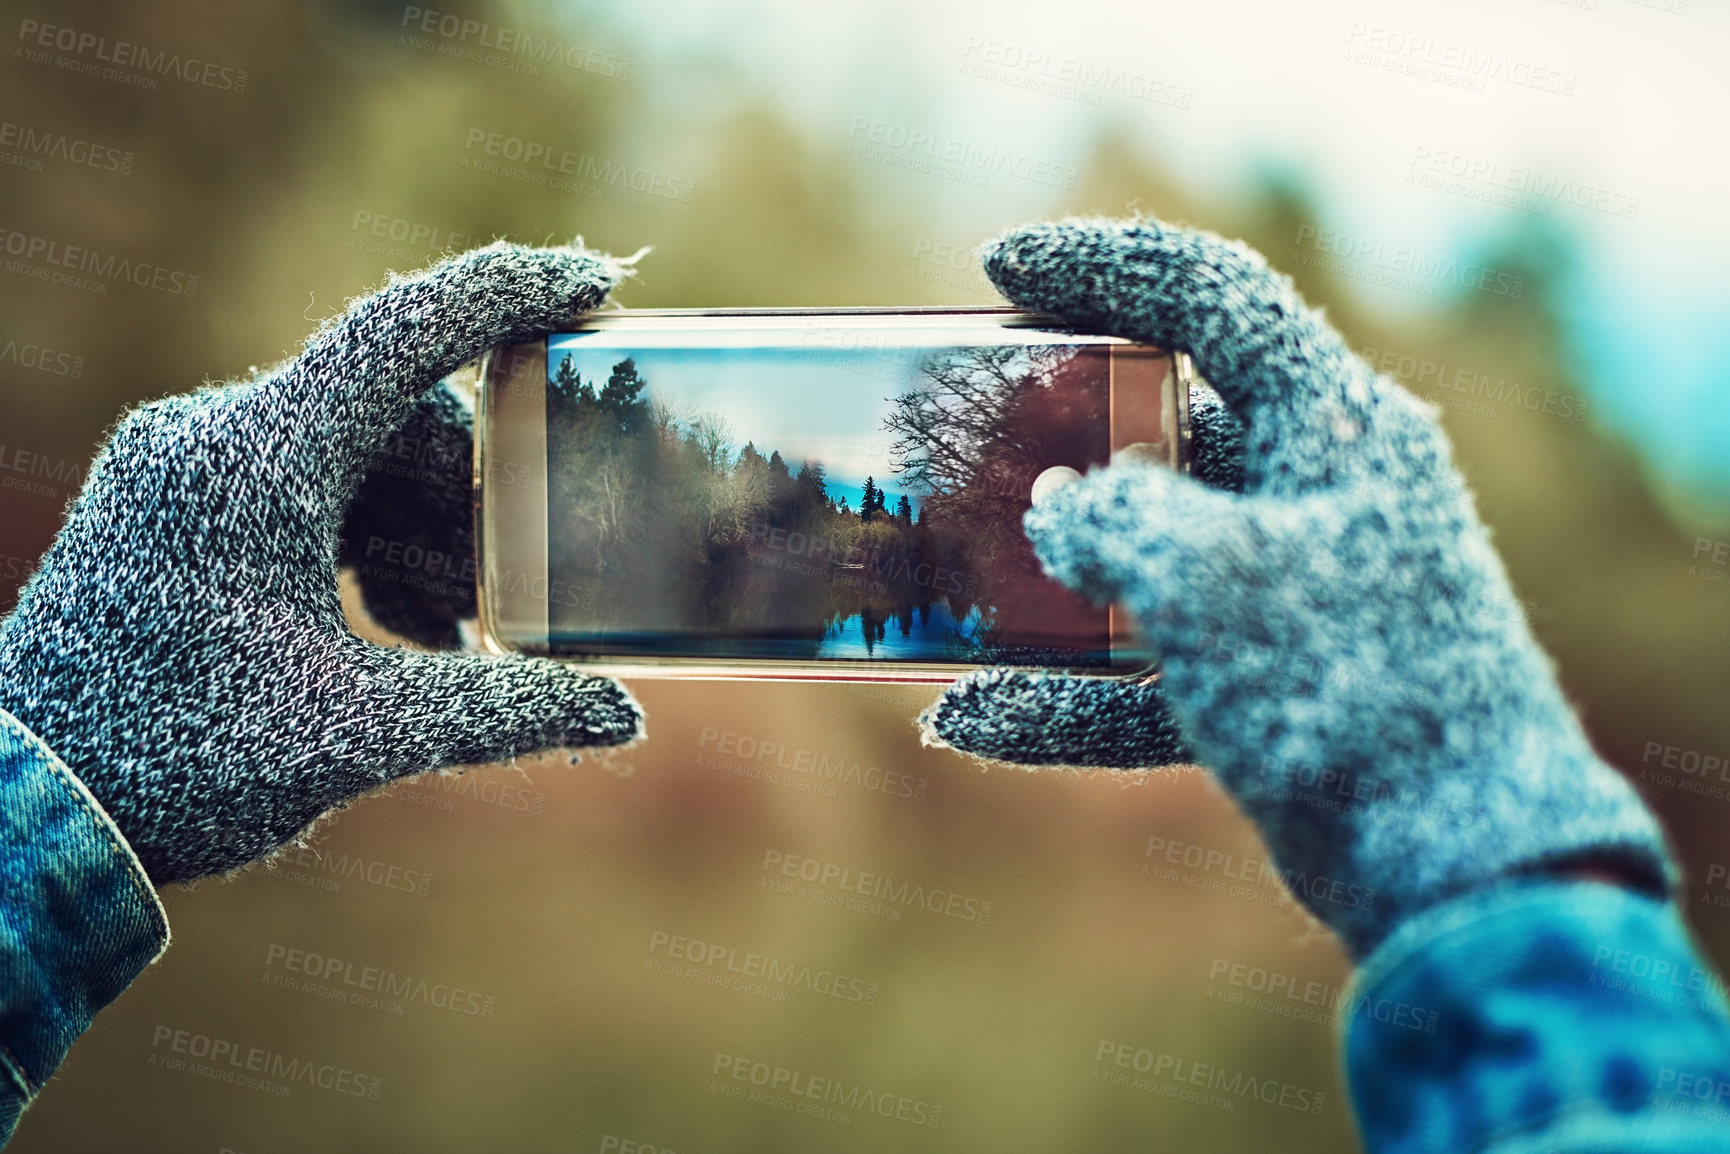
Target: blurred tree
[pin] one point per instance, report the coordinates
(567, 380)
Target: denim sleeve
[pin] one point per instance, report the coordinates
(78, 916)
(1540, 1017)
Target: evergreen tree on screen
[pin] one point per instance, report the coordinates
(904, 512)
(869, 502)
(619, 397)
(813, 485)
(567, 380)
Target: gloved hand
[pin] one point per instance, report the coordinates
(1337, 643)
(182, 647)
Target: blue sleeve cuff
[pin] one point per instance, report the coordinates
(1540, 1017)
(78, 916)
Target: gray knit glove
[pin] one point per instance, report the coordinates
(182, 646)
(1339, 644)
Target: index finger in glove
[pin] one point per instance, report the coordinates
(360, 375)
(1317, 414)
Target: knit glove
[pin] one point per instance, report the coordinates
(1340, 644)
(182, 646)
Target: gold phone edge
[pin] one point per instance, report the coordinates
(745, 669)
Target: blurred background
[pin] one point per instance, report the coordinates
(1513, 208)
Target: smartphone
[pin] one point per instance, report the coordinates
(804, 494)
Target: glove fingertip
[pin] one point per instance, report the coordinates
(1092, 535)
(613, 717)
(970, 717)
(944, 724)
(1024, 259)
(1033, 719)
(542, 282)
(473, 709)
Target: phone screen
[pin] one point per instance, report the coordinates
(821, 492)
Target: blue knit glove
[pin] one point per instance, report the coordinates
(1337, 642)
(183, 648)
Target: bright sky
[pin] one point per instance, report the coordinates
(1624, 99)
(830, 410)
